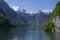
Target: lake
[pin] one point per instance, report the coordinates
(22, 33)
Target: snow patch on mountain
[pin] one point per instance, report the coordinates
(46, 11)
(17, 8)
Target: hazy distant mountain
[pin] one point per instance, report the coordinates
(34, 19)
(40, 18)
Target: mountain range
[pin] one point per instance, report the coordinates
(13, 18)
(33, 19)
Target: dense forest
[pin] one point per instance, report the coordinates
(56, 12)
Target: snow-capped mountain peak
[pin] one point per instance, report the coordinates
(17, 8)
(20, 9)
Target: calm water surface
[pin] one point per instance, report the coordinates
(22, 33)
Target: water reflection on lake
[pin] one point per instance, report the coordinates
(22, 33)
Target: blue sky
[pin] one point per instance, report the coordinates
(33, 5)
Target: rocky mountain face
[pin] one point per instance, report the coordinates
(8, 17)
(35, 19)
(39, 19)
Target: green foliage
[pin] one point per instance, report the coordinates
(11, 21)
(56, 12)
(48, 26)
